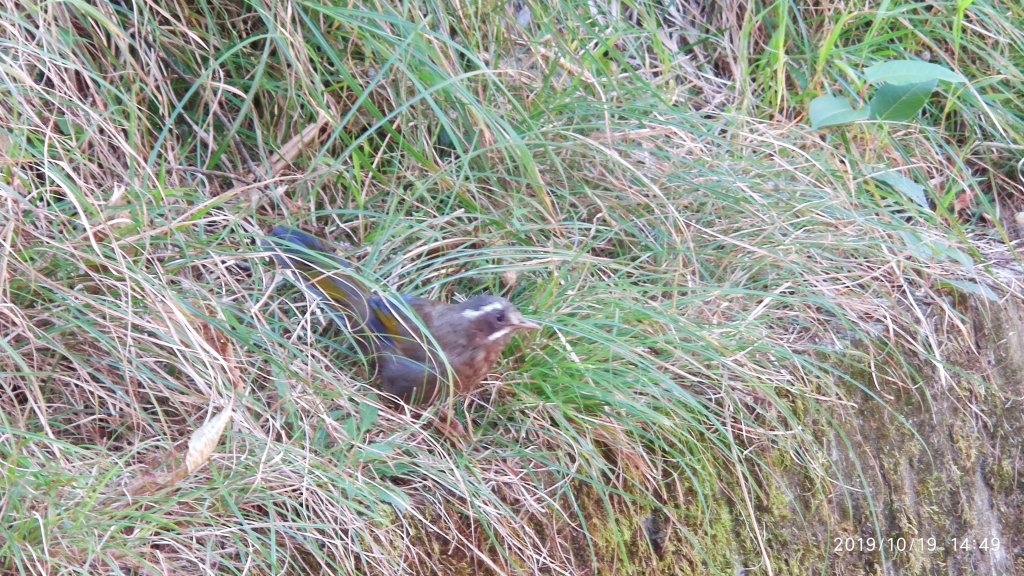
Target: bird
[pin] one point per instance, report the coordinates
(422, 348)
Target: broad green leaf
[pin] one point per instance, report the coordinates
(834, 111)
(368, 415)
(396, 498)
(972, 287)
(905, 186)
(900, 103)
(931, 250)
(900, 72)
(380, 450)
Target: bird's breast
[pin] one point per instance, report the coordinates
(473, 367)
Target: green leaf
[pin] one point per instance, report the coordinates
(351, 427)
(931, 250)
(972, 287)
(900, 103)
(368, 414)
(380, 450)
(901, 72)
(905, 186)
(834, 111)
(397, 499)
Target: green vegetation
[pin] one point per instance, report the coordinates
(722, 285)
(904, 88)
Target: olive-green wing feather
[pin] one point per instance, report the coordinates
(323, 272)
(330, 278)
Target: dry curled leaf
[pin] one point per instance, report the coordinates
(205, 439)
(508, 279)
(963, 201)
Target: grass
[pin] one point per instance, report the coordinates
(722, 287)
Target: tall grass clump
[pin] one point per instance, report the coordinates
(721, 286)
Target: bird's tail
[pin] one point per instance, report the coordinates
(323, 272)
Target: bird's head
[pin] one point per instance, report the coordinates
(493, 319)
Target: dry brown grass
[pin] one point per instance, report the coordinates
(714, 287)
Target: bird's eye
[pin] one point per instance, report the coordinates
(500, 317)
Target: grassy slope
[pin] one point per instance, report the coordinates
(715, 276)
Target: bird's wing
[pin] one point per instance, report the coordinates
(331, 279)
(325, 274)
(413, 382)
(388, 324)
(396, 330)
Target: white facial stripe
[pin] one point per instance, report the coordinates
(493, 306)
(499, 334)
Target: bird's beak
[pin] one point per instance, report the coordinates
(521, 323)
